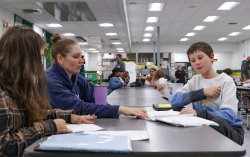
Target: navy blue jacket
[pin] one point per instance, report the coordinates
(114, 84)
(75, 93)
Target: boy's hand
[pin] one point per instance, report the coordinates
(212, 91)
(188, 111)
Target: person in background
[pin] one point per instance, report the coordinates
(114, 80)
(150, 78)
(125, 76)
(181, 75)
(229, 72)
(82, 70)
(67, 89)
(26, 114)
(161, 83)
(245, 69)
(120, 64)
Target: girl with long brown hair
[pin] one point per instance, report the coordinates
(25, 113)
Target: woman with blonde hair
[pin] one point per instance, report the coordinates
(26, 114)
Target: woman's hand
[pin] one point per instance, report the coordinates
(75, 119)
(61, 126)
(128, 111)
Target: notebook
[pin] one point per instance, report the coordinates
(83, 127)
(174, 118)
(86, 142)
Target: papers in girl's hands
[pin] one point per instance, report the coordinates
(134, 135)
(83, 127)
(174, 118)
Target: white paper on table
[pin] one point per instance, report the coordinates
(153, 115)
(83, 127)
(134, 135)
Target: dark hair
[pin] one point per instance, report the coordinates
(60, 46)
(200, 46)
(119, 55)
(153, 69)
(228, 71)
(159, 74)
(18, 73)
(114, 71)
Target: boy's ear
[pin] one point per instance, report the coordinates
(212, 57)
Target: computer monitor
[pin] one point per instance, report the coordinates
(165, 71)
(144, 71)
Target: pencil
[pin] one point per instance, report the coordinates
(207, 101)
(66, 123)
(144, 111)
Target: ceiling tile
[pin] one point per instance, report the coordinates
(173, 6)
(4, 5)
(24, 6)
(138, 7)
(16, 1)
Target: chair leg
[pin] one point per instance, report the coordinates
(247, 122)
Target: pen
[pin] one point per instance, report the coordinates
(144, 111)
(207, 101)
(66, 123)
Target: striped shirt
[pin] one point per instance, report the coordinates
(16, 133)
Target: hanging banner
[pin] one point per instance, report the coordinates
(6, 25)
(130, 67)
(214, 65)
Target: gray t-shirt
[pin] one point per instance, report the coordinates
(120, 65)
(244, 69)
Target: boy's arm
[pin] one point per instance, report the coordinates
(184, 96)
(228, 108)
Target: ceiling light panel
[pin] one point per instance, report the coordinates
(120, 51)
(54, 25)
(111, 34)
(91, 49)
(149, 28)
(155, 6)
(69, 34)
(106, 25)
(147, 35)
(199, 27)
(116, 43)
(211, 19)
(95, 51)
(234, 34)
(152, 19)
(146, 39)
(222, 39)
(247, 27)
(82, 43)
(184, 39)
(191, 34)
(228, 5)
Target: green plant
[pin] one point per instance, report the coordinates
(47, 53)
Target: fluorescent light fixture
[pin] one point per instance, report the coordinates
(95, 51)
(69, 34)
(184, 39)
(150, 28)
(152, 19)
(91, 49)
(211, 18)
(111, 34)
(120, 51)
(199, 27)
(54, 25)
(82, 43)
(191, 34)
(222, 39)
(155, 6)
(116, 43)
(247, 27)
(228, 5)
(146, 39)
(106, 25)
(234, 34)
(147, 35)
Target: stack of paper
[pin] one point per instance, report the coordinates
(83, 127)
(174, 118)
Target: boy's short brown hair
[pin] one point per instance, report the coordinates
(159, 74)
(153, 69)
(201, 46)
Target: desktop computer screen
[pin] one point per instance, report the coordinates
(144, 71)
(165, 71)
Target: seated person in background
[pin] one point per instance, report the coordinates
(229, 72)
(125, 76)
(67, 89)
(223, 106)
(114, 81)
(26, 114)
(161, 83)
(150, 78)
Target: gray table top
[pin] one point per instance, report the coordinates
(242, 88)
(164, 140)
